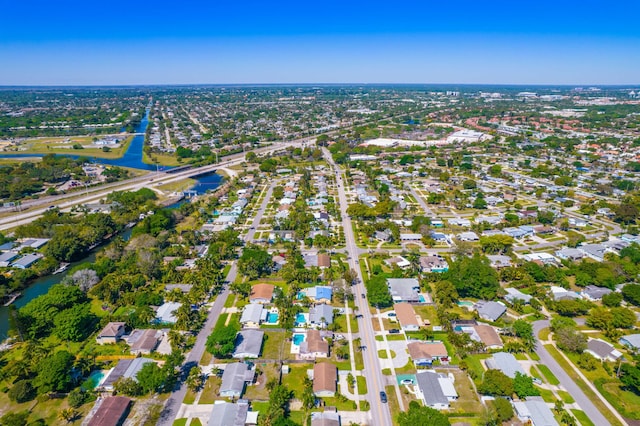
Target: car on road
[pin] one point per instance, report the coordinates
(394, 331)
(383, 396)
(363, 296)
(253, 227)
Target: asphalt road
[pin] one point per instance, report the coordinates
(380, 413)
(565, 380)
(174, 401)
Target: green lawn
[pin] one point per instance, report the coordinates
(180, 422)
(551, 379)
(362, 385)
(210, 390)
(547, 395)
(382, 354)
(582, 417)
(275, 346)
(566, 397)
(582, 385)
(295, 379)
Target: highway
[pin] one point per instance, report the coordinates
(97, 193)
(380, 413)
(173, 403)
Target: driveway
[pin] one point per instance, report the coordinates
(399, 347)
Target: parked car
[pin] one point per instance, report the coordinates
(394, 331)
(383, 397)
(407, 382)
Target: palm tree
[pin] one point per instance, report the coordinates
(68, 415)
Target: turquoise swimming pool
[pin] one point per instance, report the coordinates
(421, 299)
(94, 379)
(272, 317)
(300, 320)
(465, 303)
(298, 338)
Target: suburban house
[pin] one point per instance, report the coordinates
(515, 294)
(406, 315)
(7, 257)
(111, 333)
(404, 289)
(498, 261)
(261, 293)
(433, 263)
(26, 261)
(325, 379)
(314, 346)
(398, 261)
(572, 254)
(559, 293)
(230, 414)
(235, 378)
(425, 353)
(468, 236)
(326, 418)
(489, 310)
(542, 258)
(602, 350)
(594, 293)
(535, 411)
(143, 342)
(253, 315)
(480, 333)
(506, 363)
(110, 411)
(593, 251)
(632, 341)
(319, 293)
(248, 344)
(435, 390)
(125, 369)
(324, 261)
(321, 315)
(165, 313)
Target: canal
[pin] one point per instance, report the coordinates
(132, 158)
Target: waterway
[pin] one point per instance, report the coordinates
(132, 158)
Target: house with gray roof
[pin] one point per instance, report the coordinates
(535, 411)
(489, 310)
(125, 369)
(165, 313)
(593, 293)
(514, 294)
(26, 261)
(326, 418)
(506, 363)
(593, 251)
(632, 341)
(253, 315)
(404, 289)
(570, 254)
(248, 344)
(7, 257)
(602, 350)
(435, 390)
(229, 414)
(321, 315)
(235, 378)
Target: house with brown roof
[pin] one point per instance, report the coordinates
(261, 293)
(112, 411)
(111, 333)
(488, 336)
(314, 346)
(325, 379)
(324, 261)
(425, 353)
(406, 316)
(143, 342)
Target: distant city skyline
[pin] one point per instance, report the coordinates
(197, 42)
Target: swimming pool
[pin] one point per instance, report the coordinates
(301, 319)
(298, 338)
(465, 303)
(272, 317)
(421, 299)
(94, 379)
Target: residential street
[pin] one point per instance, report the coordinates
(380, 413)
(177, 396)
(565, 380)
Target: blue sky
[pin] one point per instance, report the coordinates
(192, 41)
